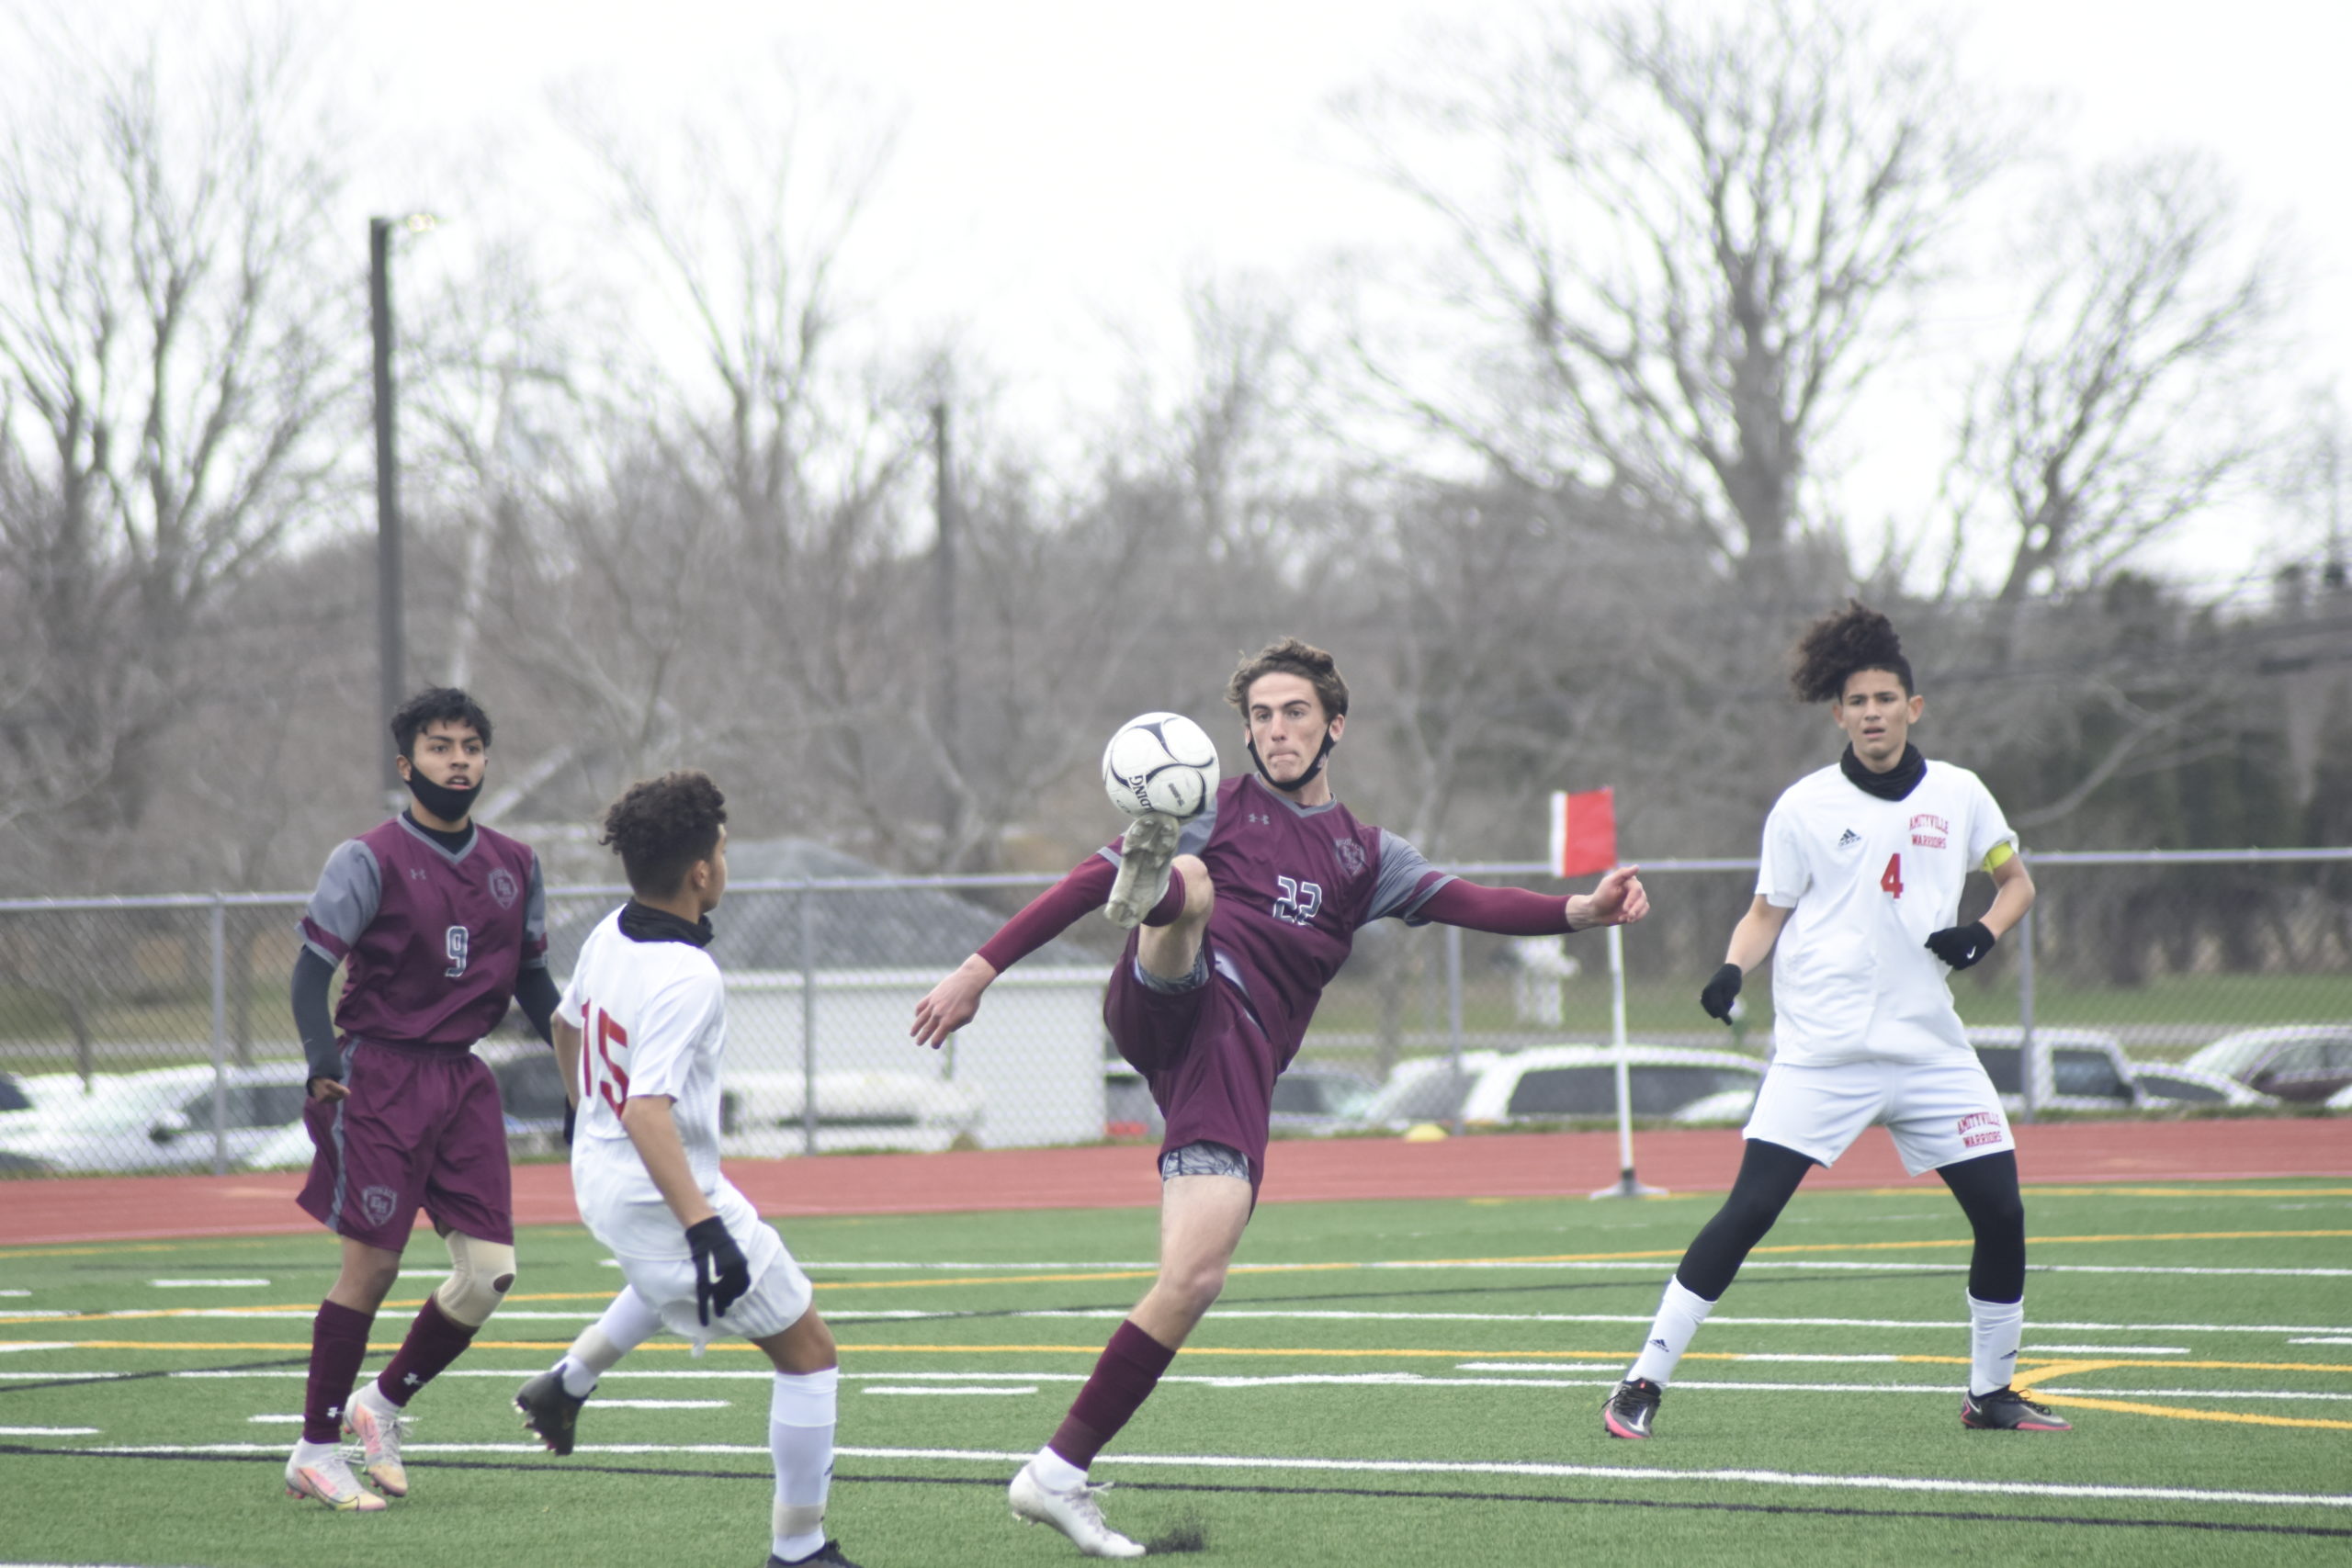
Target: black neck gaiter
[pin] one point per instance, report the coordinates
(643, 922)
(454, 843)
(1893, 785)
(1304, 779)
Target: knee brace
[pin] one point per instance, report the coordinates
(480, 1273)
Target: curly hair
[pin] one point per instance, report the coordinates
(1289, 656)
(436, 705)
(660, 827)
(1837, 646)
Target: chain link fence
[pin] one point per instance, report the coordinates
(145, 1034)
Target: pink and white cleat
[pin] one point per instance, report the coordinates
(317, 1471)
(376, 1423)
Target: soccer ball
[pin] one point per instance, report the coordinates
(1160, 761)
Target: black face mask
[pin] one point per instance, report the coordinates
(1893, 785)
(440, 800)
(1304, 779)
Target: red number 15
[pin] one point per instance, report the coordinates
(607, 1035)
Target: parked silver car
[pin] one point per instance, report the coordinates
(1555, 1083)
(2074, 1069)
(2296, 1061)
(161, 1120)
(2178, 1084)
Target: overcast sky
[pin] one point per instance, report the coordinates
(1063, 167)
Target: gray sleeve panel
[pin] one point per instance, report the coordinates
(349, 891)
(1192, 841)
(535, 920)
(1399, 890)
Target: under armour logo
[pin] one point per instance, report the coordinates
(1850, 838)
(412, 1379)
(416, 873)
(335, 1410)
(1259, 818)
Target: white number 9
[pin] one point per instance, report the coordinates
(458, 944)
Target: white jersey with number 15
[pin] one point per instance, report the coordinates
(652, 1020)
(1866, 880)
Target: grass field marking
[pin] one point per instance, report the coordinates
(108, 1248)
(2080, 1190)
(2175, 1413)
(1770, 1478)
(943, 1389)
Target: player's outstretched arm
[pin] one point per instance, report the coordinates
(951, 1003)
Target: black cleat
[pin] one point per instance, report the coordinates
(1628, 1412)
(550, 1411)
(829, 1555)
(2007, 1410)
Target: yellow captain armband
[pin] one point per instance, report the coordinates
(1999, 855)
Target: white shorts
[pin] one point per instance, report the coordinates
(778, 1298)
(1938, 1113)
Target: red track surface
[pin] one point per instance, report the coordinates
(1520, 1166)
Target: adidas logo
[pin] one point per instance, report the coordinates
(1849, 837)
(1660, 1343)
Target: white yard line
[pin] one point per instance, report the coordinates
(1294, 1464)
(206, 1284)
(994, 1389)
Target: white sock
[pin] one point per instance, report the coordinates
(1680, 1314)
(1057, 1473)
(628, 1322)
(800, 1437)
(1994, 1330)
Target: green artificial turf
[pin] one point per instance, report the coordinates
(1894, 1478)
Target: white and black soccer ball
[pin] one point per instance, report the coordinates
(1160, 761)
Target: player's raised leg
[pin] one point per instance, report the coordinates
(1201, 1220)
(550, 1403)
(1769, 1174)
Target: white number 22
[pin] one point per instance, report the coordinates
(1299, 901)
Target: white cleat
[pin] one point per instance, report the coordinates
(378, 1423)
(318, 1471)
(1145, 854)
(1074, 1513)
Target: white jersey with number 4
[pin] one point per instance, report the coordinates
(653, 1020)
(1866, 880)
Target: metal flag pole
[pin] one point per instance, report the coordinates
(1627, 1185)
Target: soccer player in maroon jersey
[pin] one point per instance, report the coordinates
(440, 923)
(1242, 917)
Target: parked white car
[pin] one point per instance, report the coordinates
(2074, 1069)
(1553, 1083)
(161, 1120)
(759, 1114)
(2177, 1083)
(2296, 1061)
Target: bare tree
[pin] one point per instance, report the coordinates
(171, 367)
(1707, 228)
(2122, 409)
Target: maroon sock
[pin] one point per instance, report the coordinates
(1130, 1368)
(338, 1344)
(1170, 907)
(434, 1342)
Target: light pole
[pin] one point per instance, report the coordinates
(390, 633)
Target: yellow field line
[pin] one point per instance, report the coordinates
(2175, 1413)
(2080, 1190)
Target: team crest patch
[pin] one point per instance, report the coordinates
(502, 886)
(1351, 855)
(377, 1203)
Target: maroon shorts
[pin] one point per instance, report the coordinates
(422, 1128)
(1201, 1051)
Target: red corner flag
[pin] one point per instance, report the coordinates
(1584, 832)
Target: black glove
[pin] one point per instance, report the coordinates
(1721, 990)
(571, 1114)
(722, 1275)
(1962, 946)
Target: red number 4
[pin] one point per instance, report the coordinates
(1892, 878)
